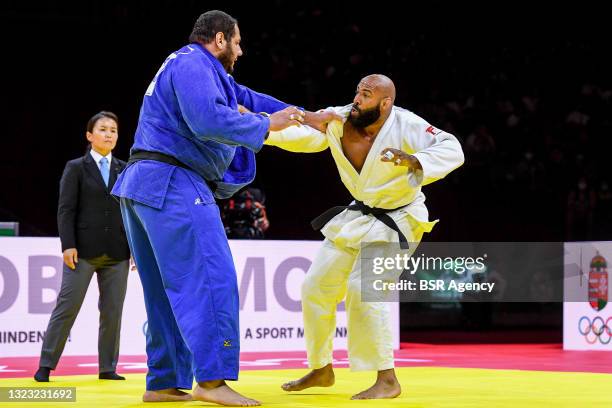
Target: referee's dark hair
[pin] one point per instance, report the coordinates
(100, 115)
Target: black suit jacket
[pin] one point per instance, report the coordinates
(88, 217)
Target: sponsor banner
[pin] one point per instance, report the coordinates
(587, 324)
(270, 274)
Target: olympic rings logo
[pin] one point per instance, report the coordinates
(596, 329)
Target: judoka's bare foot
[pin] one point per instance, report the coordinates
(321, 377)
(386, 386)
(167, 395)
(220, 393)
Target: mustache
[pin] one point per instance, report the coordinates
(356, 108)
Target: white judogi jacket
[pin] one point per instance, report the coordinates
(381, 184)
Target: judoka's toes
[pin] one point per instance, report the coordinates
(297, 385)
(288, 386)
(222, 395)
(320, 377)
(379, 390)
(167, 395)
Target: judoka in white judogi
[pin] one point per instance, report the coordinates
(335, 272)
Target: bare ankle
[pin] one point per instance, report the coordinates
(207, 385)
(387, 377)
(328, 369)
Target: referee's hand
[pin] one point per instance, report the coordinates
(71, 257)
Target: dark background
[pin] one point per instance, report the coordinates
(527, 92)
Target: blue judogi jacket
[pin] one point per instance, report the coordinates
(190, 112)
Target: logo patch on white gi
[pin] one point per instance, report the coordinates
(433, 130)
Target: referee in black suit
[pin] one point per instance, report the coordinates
(93, 240)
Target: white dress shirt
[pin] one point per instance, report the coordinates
(97, 157)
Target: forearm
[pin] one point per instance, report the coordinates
(303, 139)
(310, 118)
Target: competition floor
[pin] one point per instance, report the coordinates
(431, 376)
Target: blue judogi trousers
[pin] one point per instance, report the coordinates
(189, 283)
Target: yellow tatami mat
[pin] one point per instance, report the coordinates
(421, 386)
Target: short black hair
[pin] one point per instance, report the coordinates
(102, 114)
(211, 23)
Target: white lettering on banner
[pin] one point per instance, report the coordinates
(37, 282)
(270, 274)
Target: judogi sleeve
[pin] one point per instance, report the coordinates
(207, 114)
(302, 139)
(256, 101)
(438, 151)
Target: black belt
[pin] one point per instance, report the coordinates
(160, 157)
(380, 214)
(164, 158)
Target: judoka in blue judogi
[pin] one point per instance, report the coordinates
(196, 146)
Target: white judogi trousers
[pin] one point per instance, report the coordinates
(335, 275)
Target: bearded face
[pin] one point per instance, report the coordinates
(232, 51)
(227, 59)
(361, 118)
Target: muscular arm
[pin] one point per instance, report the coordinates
(302, 139)
(251, 101)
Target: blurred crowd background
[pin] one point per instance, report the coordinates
(527, 92)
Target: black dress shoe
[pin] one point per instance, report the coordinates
(42, 375)
(111, 375)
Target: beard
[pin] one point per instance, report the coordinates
(227, 60)
(364, 118)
